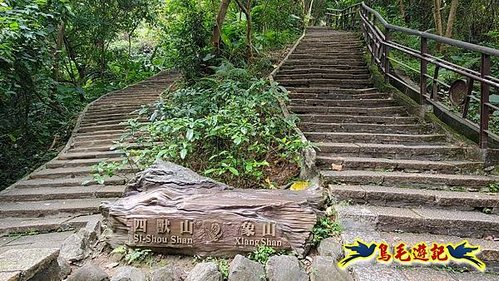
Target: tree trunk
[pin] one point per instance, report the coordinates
(58, 47)
(452, 18)
(247, 11)
(217, 31)
(438, 16)
(248, 31)
(402, 9)
(308, 16)
(73, 58)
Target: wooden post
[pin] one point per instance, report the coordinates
(484, 99)
(386, 52)
(423, 69)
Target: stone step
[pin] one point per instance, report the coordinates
(337, 66)
(331, 118)
(400, 151)
(28, 263)
(406, 139)
(408, 197)
(339, 96)
(101, 128)
(34, 242)
(317, 48)
(111, 146)
(42, 225)
(78, 162)
(366, 103)
(94, 143)
(325, 62)
(108, 118)
(331, 90)
(104, 133)
(92, 154)
(321, 76)
(356, 111)
(36, 209)
(113, 107)
(327, 52)
(61, 193)
(307, 70)
(105, 121)
(345, 83)
(122, 111)
(134, 100)
(366, 128)
(415, 180)
(407, 165)
(319, 37)
(123, 119)
(423, 220)
(100, 136)
(79, 181)
(119, 104)
(344, 55)
(71, 172)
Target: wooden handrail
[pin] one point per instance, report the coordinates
(379, 44)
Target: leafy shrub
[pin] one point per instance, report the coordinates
(324, 228)
(228, 126)
(262, 254)
(133, 256)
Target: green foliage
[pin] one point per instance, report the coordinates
(223, 267)
(106, 169)
(55, 57)
(262, 254)
(494, 187)
(324, 228)
(228, 126)
(186, 37)
(131, 255)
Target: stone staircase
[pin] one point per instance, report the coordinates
(403, 179)
(62, 195)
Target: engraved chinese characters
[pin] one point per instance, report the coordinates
(250, 237)
(164, 232)
(158, 232)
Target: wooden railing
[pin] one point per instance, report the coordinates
(476, 86)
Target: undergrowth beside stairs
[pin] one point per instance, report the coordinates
(227, 126)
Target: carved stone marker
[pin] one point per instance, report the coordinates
(172, 209)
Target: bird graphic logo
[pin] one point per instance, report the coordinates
(464, 252)
(357, 251)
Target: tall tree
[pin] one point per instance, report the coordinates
(217, 30)
(452, 18)
(437, 9)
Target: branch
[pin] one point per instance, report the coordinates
(242, 7)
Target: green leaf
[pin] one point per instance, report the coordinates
(238, 140)
(183, 153)
(233, 171)
(189, 135)
(494, 99)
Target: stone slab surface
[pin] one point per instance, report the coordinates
(27, 261)
(10, 276)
